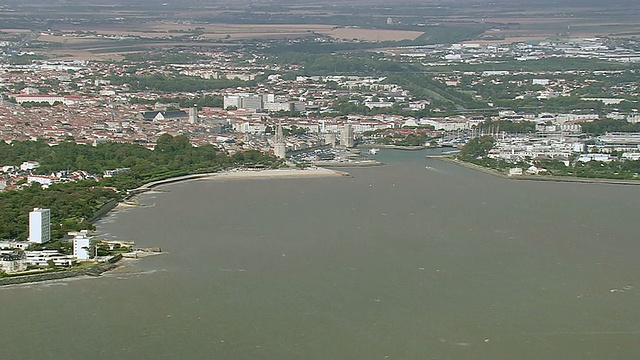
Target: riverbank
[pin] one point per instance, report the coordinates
(535, 177)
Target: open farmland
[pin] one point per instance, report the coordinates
(95, 30)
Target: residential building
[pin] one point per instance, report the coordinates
(81, 244)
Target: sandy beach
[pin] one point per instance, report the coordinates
(274, 173)
(132, 199)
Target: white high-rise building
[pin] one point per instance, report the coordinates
(40, 226)
(81, 244)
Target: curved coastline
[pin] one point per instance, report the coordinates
(549, 178)
(126, 201)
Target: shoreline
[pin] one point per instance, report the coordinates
(547, 178)
(118, 264)
(93, 271)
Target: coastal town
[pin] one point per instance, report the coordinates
(92, 102)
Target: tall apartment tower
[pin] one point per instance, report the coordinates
(346, 136)
(40, 226)
(279, 146)
(193, 114)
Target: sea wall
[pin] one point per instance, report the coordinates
(95, 270)
(104, 209)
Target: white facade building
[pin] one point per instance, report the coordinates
(29, 165)
(40, 226)
(44, 257)
(81, 243)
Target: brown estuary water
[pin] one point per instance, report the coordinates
(418, 259)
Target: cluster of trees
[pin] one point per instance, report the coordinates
(477, 147)
(72, 204)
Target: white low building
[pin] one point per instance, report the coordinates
(595, 157)
(29, 165)
(44, 257)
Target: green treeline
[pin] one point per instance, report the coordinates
(73, 203)
(175, 83)
(366, 64)
(511, 127)
(423, 86)
(181, 57)
(603, 126)
(184, 102)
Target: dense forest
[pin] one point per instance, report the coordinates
(72, 204)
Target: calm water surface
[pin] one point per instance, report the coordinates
(418, 259)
